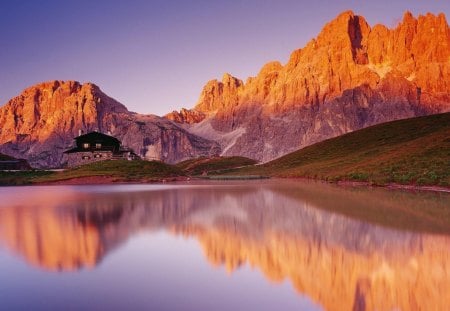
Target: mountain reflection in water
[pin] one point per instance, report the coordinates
(378, 249)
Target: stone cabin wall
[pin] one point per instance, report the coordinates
(81, 158)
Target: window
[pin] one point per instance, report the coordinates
(85, 157)
(97, 155)
(86, 145)
(98, 145)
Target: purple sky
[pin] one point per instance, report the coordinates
(155, 56)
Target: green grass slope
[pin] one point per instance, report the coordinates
(119, 170)
(410, 151)
(22, 177)
(127, 171)
(213, 165)
(122, 170)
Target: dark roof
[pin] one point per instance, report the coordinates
(108, 143)
(76, 149)
(96, 136)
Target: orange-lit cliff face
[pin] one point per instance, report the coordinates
(285, 231)
(52, 113)
(42, 121)
(346, 54)
(351, 76)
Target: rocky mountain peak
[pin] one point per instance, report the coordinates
(186, 116)
(349, 77)
(218, 95)
(41, 122)
(270, 67)
(367, 75)
(408, 18)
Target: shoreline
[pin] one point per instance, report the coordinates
(105, 180)
(394, 186)
(390, 186)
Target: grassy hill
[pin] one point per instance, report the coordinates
(118, 170)
(215, 165)
(127, 171)
(410, 151)
(123, 170)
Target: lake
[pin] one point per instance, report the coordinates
(253, 245)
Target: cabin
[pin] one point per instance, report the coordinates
(96, 146)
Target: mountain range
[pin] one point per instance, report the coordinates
(349, 77)
(41, 123)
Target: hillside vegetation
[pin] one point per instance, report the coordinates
(410, 151)
(215, 165)
(117, 171)
(121, 170)
(127, 171)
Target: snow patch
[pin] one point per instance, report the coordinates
(204, 129)
(226, 140)
(232, 137)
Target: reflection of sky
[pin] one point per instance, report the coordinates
(155, 56)
(132, 279)
(250, 246)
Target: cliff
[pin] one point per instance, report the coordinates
(351, 76)
(42, 121)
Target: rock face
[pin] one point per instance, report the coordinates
(185, 116)
(351, 76)
(41, 123)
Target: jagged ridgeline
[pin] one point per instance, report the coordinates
(351, 76)
(40, 125)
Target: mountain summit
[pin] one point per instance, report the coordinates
(351, 76)
(42, 121)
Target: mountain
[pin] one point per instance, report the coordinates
(42, 121)
(351, 76)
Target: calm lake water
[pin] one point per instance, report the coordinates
(259, 245)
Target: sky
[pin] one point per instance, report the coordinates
(156, 56)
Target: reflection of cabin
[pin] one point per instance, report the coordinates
(95, 146)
